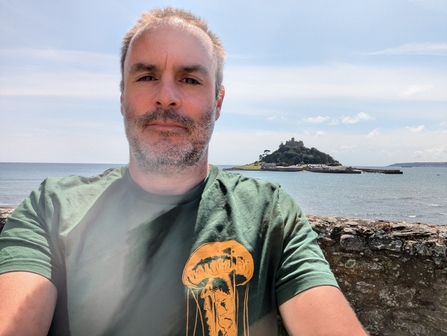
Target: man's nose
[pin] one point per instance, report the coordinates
(167, 94)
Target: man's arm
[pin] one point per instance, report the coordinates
(27, 303)
(321, 310)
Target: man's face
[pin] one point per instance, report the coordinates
(169, 100)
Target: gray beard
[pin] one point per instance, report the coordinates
(164, 158)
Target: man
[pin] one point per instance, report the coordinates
(167, 245)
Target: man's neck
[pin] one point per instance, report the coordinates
(175, 184)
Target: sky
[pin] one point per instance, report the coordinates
(364, 81)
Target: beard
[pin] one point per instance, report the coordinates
(171, 152)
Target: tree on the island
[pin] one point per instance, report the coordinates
(288, 155)
(262, 156)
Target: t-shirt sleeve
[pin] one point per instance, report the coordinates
(25, 241)
(302, 264)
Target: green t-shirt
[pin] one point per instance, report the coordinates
(215, 261)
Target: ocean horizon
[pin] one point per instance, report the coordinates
(418, 195)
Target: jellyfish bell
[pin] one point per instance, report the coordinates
(214, 271)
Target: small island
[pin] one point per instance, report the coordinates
(293, 156)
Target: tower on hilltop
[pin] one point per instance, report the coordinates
(292, 142)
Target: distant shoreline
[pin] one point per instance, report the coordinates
(256, 167)
(419, 164)
(313, 168)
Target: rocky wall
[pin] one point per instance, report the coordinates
(4, 213)
(394, 274)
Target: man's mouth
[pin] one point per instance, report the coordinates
(165, 125)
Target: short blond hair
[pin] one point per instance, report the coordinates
(166, 14)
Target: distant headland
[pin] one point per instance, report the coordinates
(419, 164)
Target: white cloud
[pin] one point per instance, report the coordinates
(412, 90)
(82, 141)
(417, 129)
(334, 122)
(437, 152)
(389, 153)
(373, 133)
(316, 120)
(439, 49)
(79, 84)
(345, 149)
(319, 134)
(58, 73)
(359, 117)
(271, 118)
(338, 81)
(418, 154)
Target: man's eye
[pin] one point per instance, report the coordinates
(190, 81)
(146, 79)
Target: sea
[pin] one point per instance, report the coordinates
(418, 195)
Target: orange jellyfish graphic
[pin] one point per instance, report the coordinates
(214, 271)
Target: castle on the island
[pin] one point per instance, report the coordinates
(292, 142)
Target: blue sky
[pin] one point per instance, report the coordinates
(364, 81)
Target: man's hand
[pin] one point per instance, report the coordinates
(27, 303)
(319, 311)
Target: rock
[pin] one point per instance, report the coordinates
(351, 242)
(384, 241)
(4, 213)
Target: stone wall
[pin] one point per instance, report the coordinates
(4, 213)
(394, 274)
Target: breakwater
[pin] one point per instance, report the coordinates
(380, 171)
(393, 273)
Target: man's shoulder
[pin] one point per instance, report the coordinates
(67, 195)
(77, 183)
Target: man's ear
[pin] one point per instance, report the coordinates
(219, 101)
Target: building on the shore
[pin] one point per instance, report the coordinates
(268, 165)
